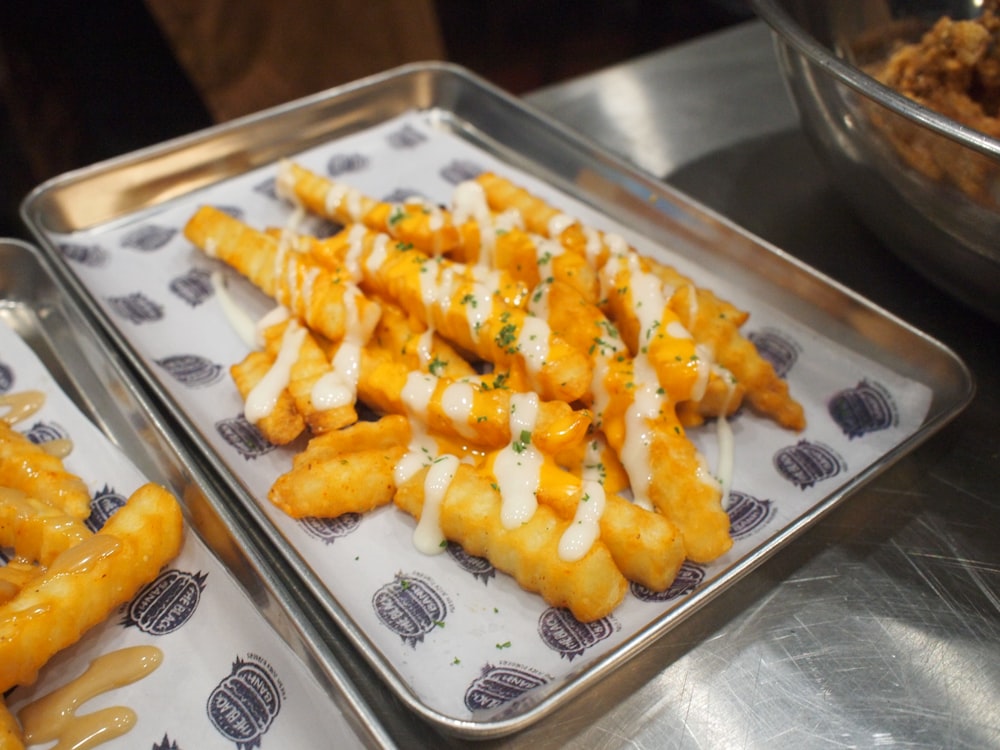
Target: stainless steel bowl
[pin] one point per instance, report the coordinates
(948, 229)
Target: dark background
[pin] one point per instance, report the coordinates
(89, 104)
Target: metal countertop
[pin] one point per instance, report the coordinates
(881, 625)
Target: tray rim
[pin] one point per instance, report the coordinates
(963, 391)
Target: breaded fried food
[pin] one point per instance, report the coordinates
(33, 470)
(321, 300)
(591, 588)
(344, 471)
(86, 582)
(11, 737)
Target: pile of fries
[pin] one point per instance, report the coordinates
(61, 578)
(532, 380)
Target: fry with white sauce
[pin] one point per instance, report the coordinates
(470, 514)
(85, 583)
(528, 373)
(414, 222)
(33, 470)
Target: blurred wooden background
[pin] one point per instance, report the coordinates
(81, 82)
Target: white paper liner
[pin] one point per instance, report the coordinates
(485, 643)
(205, 637)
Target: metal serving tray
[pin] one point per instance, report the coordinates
(62, 345)
(873, 387)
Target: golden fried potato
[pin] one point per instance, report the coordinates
(84, 584)
(38, 531)
(33, 470)
(344, 471)
(590, 588)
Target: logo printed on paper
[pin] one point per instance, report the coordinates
(92, 256)
(339, 164)
(563, 633)
(777, 348)
(331, 529)
(867, 407)
(136, 308)
(404, 195)
(479, 567)
(410, 606)
(244, 436)
(243, 705)
(148, 238)
(194, 287)
(268, 188)
(102, 507)
(747, 514)
(45, 432)
(6, 377)
(234, 212)
(165, 604)
(689, 577)
(500, 685)
(406, 137)
(192, 370)
(806, 463)
(461, 170)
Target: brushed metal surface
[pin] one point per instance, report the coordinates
(880, 627)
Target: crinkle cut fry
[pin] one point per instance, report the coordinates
(678, 484)
(315, 296)
(429, 229)
(30, 468)
(716, 325)
(344, 471)
(646, 546)
(38, 531)
(590, 588)
(89, 581)
(283, 424)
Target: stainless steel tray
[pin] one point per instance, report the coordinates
(85, 368)
(89, 212)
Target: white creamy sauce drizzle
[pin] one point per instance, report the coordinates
(276, 315)
(559, 223)
(264, 396)
(339, 386)
(585, 528)
(727, 445)
(355, 247)
(538, 302)
(457, 403)
(341, 196)
(594, 245)
(242, 323)
(379, 252)
(422, 449)
(425, 347)
(704, 372)
(533, 345)
(518, 466)
(428, 537)
(646, 405)
(468, 201)
(478, 303)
